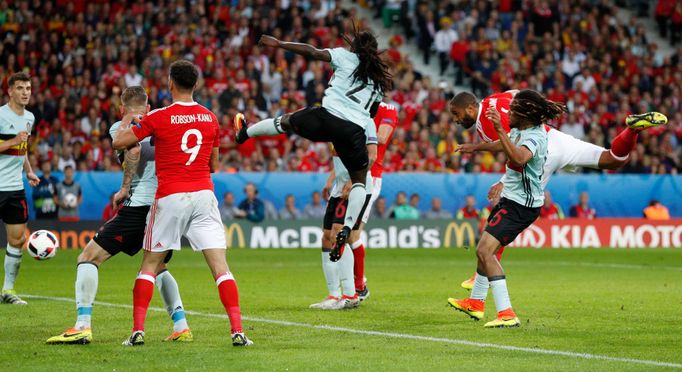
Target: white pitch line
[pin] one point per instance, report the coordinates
(406, 336)
(609, 265)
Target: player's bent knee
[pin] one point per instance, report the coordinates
(609, 162)
(93, 252)
(17, 241)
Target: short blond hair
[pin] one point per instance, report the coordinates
(134, 96)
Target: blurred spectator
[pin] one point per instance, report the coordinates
(228, 210)
(315, 210)
(437, 211)
(583, 209)
(68, 197)
(656, 211)
(414, 201)
(469, 210)
(443, 41)
(44, 194)
(289, 212)
(379, 209)
(252, 207)
(271, 212)
(108, 212)
(400, 210)
(551, 210)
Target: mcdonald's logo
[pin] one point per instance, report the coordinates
(230, 231)
(459, 229)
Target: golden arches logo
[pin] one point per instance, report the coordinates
(459, 229)
(230, 231)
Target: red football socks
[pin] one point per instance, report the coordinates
(142, 295)
(624, 143)
(229, 296)
(359, 266)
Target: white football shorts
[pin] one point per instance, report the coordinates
(193, 215)
(569, 153)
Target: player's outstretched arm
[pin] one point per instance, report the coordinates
(518, 156)
(125, 138)
(467, 148)
(305, 50)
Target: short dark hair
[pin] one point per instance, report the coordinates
(134, 96)
(463, 100)
(184, 74)
(68, 167)
(18, 76)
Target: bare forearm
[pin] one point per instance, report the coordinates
(132, 163)
(514, 154)
(27, 165)
(306, 50)
(489, 146)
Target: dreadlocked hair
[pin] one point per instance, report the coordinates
(372, 67)
(532, 106)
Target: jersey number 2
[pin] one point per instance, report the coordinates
(351, 94)
(193, 151)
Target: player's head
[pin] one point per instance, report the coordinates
(134, 100)
(530, 108)
(183, 76)
(372, 68)
(19, 88)
(464, 109)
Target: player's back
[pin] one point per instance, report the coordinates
(184, 135)
(500, 102)
(347, 97)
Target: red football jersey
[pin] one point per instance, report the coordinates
(386, 115)
(499, 101)
(184, 135)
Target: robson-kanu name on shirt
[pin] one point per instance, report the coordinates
(188, 119)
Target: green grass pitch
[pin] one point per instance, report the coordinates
(607, 303)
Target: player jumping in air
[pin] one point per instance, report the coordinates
(361, 78)
(522, 197)
(186, 139)
(15, 125)
(565, 151)
(125, 233)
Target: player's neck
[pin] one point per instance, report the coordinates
(525, 126)
(17, 108)
(183, 97)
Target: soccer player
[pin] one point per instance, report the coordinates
(125, 233)
(361, 78)
(385, 122)
(15, 125)
(186, 137)
(565, 151)
(522, 197)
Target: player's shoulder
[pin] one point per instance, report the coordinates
(114, 128)
(29, 115)
(342, 56)
(387, 107)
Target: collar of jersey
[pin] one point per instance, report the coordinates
(185, 103)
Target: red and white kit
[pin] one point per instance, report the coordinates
(386, 115)
(563, 151)
(184, 134)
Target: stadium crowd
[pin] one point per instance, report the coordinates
(84, 53)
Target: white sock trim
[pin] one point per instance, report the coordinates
(356, 244)
(146, 277)
(224, 277)
(619, 158)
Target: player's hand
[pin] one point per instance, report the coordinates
(495, 192)
(20, 138)
(33, 180)
(268, 41)
(466, 148)
(494, 117)
(120, 196)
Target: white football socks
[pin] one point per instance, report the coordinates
(168, 288)
(331, 275)
(499, 286)
(356, 199)
(480, 288)
(346, 273)
(267, 127)
(87, 278)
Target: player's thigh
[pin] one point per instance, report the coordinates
(14, 213)
(487, 246)
(167, 219)
(566, 151)
(205, 228)
(123, 233)
(309, 123)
